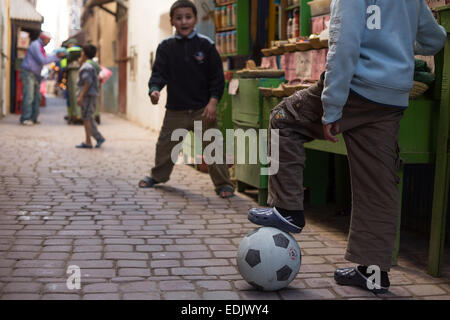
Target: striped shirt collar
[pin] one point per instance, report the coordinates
(192, 35)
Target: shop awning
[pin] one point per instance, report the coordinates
(91, 3)
(22, 10)
(80, 37)
(100, 3)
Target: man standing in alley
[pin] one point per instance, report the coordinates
(30, 75)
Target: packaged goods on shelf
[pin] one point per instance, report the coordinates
(232, 28)
(234, 41)
(230, 15)
(218, 12)
(219, 43)
(226, 42)
(234, 15)
(225, 47)
(224, 17)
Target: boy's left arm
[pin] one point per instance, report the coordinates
(216, 83)
(347, 26)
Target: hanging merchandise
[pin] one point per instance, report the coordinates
(234, 14)
(230, 15)
(230, 42)
(224, 43)
(224, 17)
(219, 43)
(231, 24)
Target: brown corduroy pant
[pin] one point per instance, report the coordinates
(370, 132)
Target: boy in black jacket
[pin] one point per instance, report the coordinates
(189, 64)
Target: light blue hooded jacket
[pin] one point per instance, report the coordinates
(372, 44)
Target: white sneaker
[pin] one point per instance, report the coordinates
(28, 123)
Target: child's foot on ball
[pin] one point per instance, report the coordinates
(285, 220)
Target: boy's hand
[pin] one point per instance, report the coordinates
(330, 130)
(210, 112)
(154, 97)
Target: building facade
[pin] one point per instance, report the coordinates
(103, 24)
(4, 45)
(149, 26)
(24, 26)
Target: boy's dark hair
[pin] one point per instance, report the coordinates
(90, 51)
(182, 4)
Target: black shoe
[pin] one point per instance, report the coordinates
(270, 217)
(99, 143)
(147, 183)
(357, 277)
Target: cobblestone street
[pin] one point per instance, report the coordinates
(60, 206)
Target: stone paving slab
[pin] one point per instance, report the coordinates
(61, 207)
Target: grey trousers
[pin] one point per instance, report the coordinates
(87, 113)
(163, 161)
(370, 132)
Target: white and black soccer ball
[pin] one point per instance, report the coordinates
(269, 259)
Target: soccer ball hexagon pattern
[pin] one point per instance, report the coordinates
(269, 259)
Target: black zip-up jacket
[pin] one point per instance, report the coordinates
(192, 70)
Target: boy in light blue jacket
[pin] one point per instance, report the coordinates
(363, 95)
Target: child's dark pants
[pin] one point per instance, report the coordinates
(185, 119)
(87, 114)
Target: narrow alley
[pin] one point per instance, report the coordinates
(60, 207)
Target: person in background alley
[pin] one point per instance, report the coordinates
(189, 64)
(362, 94)
(73, 54)
(88, 85)
(30, 75)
